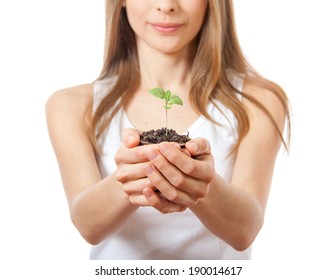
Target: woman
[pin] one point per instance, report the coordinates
(213, 192)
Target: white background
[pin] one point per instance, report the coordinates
(48, 45)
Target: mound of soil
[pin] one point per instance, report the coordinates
(163, 135)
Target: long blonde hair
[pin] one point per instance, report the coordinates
(217, 50)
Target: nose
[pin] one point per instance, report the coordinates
(166, 6)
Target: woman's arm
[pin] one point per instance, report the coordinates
(97, 207)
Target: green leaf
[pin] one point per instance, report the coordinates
(175, 100)
(158, 92)
(167, 95)
(167, 107)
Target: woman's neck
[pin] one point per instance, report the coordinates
(167, 71)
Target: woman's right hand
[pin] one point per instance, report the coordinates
(130, 159)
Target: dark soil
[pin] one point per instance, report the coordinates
(163, 135)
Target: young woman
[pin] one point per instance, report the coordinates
(212, 194)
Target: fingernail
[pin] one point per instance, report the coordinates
(148, 169)
(176, 145)
(151, 154)
(164, 148)
(186, 152)
(147, 193)
(193, 146)
(130, 139)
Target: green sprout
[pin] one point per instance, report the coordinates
(169, 99)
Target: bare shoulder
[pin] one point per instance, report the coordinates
(68, 112)
(74, 100)
(270, 96)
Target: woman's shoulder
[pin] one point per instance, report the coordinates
(266, 92)
(75, 99)
(70, 106)
(265, 100)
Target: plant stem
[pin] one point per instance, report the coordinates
(166, 119)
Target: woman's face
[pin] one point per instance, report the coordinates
(167, 26)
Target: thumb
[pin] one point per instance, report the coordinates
(131, 137)
(198, 146)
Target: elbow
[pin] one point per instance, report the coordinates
(90, 238)
(87, 230)
(245, 239)
(87, 233)
(242, 243)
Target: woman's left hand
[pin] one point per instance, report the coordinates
(180, 178)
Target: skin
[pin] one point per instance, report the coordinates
(167, 25)
(233, 211)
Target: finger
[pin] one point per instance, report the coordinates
(132, 155)
(129, 172)
(131, 137)
(161, 204)
(202, 170)
(186, 152)
(165, 186)
(198, 146)
(139, 200)
(136, 187)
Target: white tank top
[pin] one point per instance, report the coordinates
(148, 234)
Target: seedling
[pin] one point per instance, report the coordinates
(169, 98)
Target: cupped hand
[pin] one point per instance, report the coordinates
(131, 160)
(183, 177)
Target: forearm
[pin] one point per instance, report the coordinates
(231, 213)
(100, 210)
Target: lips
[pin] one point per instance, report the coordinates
(166, 28)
